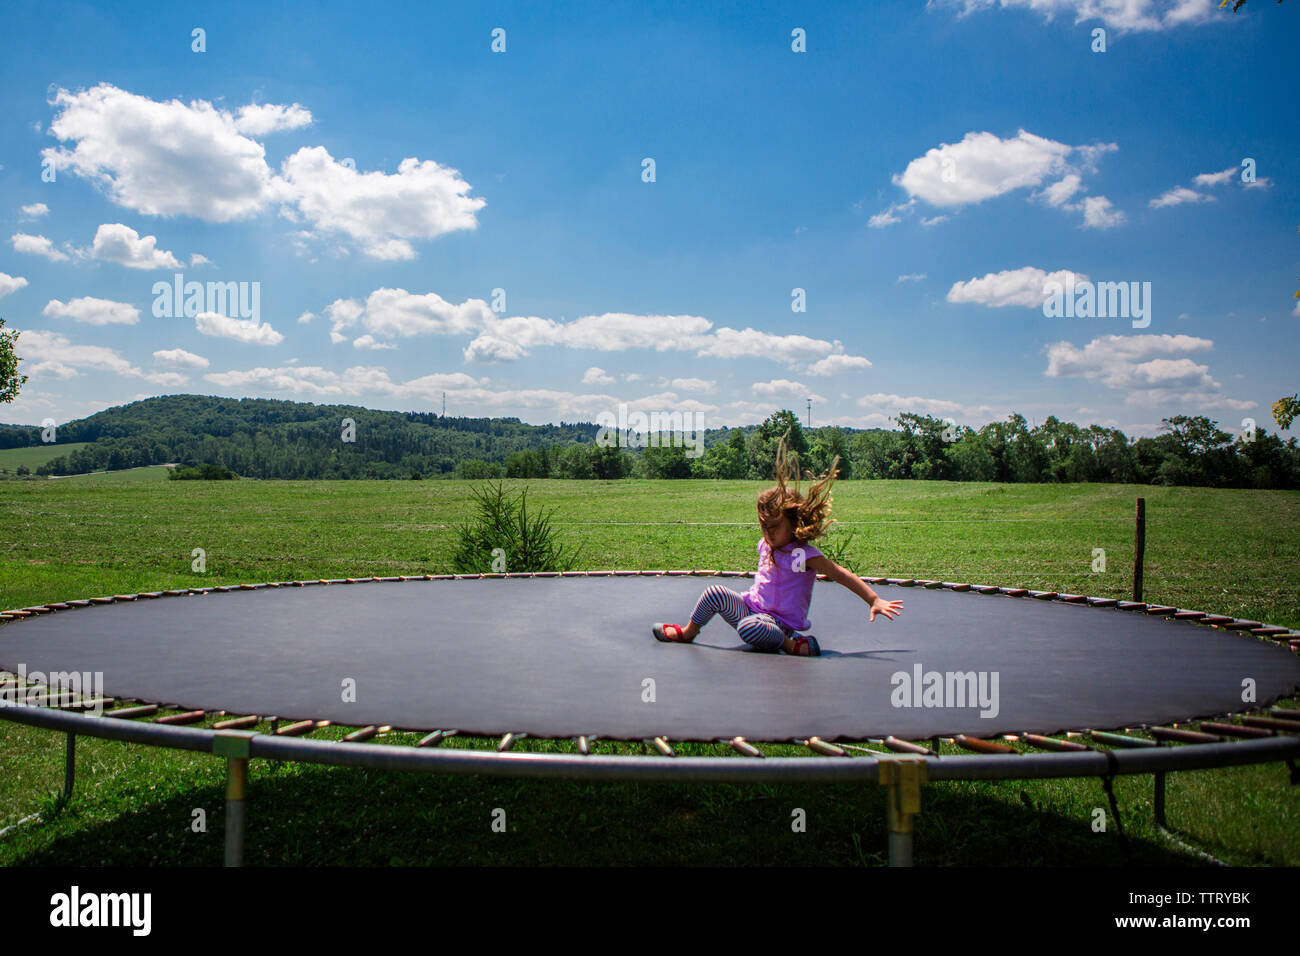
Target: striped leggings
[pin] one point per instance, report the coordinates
(759, 631)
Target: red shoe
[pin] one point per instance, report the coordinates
(661, 632)
(806, 647)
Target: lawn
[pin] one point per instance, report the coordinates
(1230, 552)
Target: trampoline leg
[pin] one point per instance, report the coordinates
(236, 747)
(902, 776)
(69, 766)
(1160, 799)
(236, 787)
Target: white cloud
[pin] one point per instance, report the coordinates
(198, 259)
(596, 376)
(380, 212)
(884, 405)
(1060, 192)
(369, 342)
(241, 330)
(169, 158)
(306, 318)
(93, 311)
(1153, 369)
(1099, 214)
(1217, 179)
(1011, 287)
(784, 388)
(35, 210)
(980, 167)
(1179, 195)
(10, 284)
(1119, 15)
(392, 313)
(1263, 182)
(271, 118)
(36, 246)
(933, 220)
(834, 364)
(694, 385)
(53, 354)
(160, 159)
(983, 166)
(115, 242)
(180, 358)
(887, 217)
(912, 277)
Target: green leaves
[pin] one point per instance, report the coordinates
(503, 537)
(10, 380)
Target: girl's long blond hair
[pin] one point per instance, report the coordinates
(809, 515)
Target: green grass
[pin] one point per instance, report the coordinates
(37, 455)
(1231, 552)
(146, 474)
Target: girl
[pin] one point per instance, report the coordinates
(767, 615)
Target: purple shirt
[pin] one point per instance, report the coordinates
(779, 589)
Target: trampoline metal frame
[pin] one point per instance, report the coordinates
(902, 773)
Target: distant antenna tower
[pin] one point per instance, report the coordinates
(810, 413)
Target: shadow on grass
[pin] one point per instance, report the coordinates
(301, 815)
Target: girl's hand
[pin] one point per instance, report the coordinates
(891, 609)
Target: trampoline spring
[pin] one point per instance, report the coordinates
(130, 713)
(237, 723)
(866, 750)
(1234, 730)
(358, 736)
(1285, 713)
(1271, 632)
(661, 744)
(583, 746)
(980, 745)
(1052, 743)
(906, 747)
(817, 745)
(188, 717)
(298, 728)
(1272, 723)
(435, 738)
(508, 742)
(1185, 736)
(1121, 740)
(743, 746)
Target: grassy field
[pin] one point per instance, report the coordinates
(35, 456)
(1231, 552)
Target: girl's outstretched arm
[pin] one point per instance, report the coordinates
(833, 572)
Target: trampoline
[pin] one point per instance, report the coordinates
(571, 656)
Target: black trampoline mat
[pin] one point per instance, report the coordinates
(561, 657)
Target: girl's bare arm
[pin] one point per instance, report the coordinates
(833, 572)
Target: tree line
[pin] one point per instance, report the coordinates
(264, 438)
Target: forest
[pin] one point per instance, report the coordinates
(270, 439)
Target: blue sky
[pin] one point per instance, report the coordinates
(422, 214)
